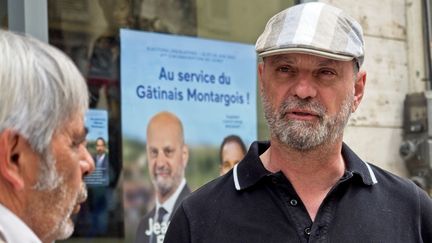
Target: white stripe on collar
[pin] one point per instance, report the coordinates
(372, 175)
(235, 176)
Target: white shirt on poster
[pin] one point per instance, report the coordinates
(168, 205)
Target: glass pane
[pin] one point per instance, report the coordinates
(88, 31)
(3, 14)
(429, 4)
(236, 20)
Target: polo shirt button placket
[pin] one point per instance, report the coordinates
(307, 231)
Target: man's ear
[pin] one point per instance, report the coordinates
(185, 155)
(359, 88)
(261, 75)
(11, 158)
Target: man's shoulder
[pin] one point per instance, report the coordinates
(148, 215)
(220, 184)
(381, 180)
(184, 193)
(396, 186)
(386, 177)
(211, 192)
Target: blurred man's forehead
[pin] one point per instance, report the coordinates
(162, 147)
(164, 136)
(163, 141)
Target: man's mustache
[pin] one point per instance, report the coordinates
(293, 103)
(162, 171)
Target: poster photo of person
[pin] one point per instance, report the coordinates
(181, 96)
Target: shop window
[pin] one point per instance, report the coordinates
(88, 31)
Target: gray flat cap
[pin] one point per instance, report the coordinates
(313, 28)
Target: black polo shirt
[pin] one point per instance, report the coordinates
(251, 204)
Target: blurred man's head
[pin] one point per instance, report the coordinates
(232, 151)
(43, 98)
(167, 153)
(100, 146)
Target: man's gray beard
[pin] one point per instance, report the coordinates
(306, 135)
(64, 229)
(165, 187)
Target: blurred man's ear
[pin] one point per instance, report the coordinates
(359, 88)
(185, 155)
(11, 150)
(260, 75)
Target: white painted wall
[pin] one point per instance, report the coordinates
(393, 62)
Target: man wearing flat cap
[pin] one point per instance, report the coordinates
(306, 184)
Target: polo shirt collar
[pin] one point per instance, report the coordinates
(251, 169)
(357, 166)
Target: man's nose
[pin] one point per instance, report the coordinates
(304, 87)
(86, 161)
(161, 160)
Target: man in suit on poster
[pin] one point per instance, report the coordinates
(100, 194)
(101, 159)
(167, 157)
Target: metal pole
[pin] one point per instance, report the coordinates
(427, 40)
(30, 17)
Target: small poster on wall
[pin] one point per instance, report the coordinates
(181, 97)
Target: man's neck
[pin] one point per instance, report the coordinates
(312, 173)
(322, 159)
(12, 200)
(162, 198)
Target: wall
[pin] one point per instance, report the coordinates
(393, 62)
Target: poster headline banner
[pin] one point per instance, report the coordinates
(210, 85)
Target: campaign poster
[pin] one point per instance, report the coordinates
(180, 98)
(101, 212)
(96, 122)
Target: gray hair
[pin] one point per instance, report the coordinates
(40, 89)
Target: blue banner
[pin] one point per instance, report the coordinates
(210, 85)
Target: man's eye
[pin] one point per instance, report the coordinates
(284, 69)
(153, 153)
(168, 152)
(75, 145)
(327, 72)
